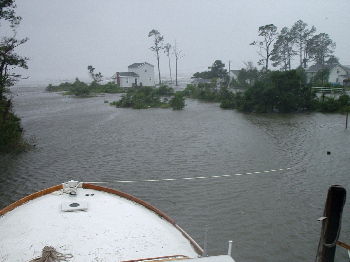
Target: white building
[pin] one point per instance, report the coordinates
(337, 73)
(234, 74)
(139, 74)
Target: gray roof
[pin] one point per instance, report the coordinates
(236, 72)
(345, 67)
(128, 74)
(318, 67)
(136, 65)
(125, 74)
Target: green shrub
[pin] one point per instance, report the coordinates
(164, 90)
(178, 101)
(11, 132)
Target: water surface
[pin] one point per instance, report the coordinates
(199, 158)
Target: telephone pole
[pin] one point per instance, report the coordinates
(229, 72)
(177, 57)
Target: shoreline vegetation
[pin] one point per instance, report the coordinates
(12, 139)
(251, 91)
(271, 91)
(11, 133)
(136, 98)
(81, 89)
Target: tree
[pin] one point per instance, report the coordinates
(217, 70)
(283, 52)
(167, 49)
(11, 133)
(9, 60)
(204, 75)
(320, 77)
(164, 90)
(320, 47)
(96, 77)
(249, 75)
(332, 60)
(158, 45)
(301, 35)
(281, 91)
(269, 34)
(227, 98)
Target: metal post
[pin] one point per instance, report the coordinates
(205, 241)
(331, 223)
(229, 248)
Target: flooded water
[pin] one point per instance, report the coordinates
(259, 180)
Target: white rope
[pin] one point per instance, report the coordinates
(188, 178)
(49, 254)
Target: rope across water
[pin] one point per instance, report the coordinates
(189, 178)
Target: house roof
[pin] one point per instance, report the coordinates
(317, 67)
(128, 74)
(347, 70)
(125, 74)
(136, 65)
(345, 67)
(236, 72)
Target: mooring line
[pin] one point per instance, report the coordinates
(190, 178)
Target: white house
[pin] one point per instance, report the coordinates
(234, 74)
(337, 72)
(139, 74)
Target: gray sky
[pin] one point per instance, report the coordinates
(66, 36)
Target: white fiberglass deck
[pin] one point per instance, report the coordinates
(111, 229)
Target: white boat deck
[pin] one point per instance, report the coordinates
(112, 228)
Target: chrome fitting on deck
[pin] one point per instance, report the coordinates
(71, 187)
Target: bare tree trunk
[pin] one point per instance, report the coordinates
(160, 81)
(171, 79)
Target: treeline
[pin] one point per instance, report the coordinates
(299, 40)
(284, 92)
(81, 89)
(273, 91)
(11, 132)
(149, 97)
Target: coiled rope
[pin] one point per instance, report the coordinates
(49, 254)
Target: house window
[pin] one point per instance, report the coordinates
(127, 80)
(337, 80)
(150, 79)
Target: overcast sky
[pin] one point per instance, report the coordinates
(65, 36)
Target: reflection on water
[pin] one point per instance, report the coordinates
(270, 216)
